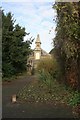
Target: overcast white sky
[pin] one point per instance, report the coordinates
(36, 16)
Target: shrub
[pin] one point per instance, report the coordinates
(49, 65)
(75, 98)
(8, 70)
(48, 70)
(46, 78)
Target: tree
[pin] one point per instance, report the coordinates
(15, 50)
(7, 35)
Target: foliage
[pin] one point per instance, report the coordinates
(75, 98)
(15, 50)
(46, 78)
(67, 42)
(49, 65)
(47, 70)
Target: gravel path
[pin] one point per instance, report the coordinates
(29, 110)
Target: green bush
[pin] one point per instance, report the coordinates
(46, 78)
(75, 98)
(48, 70)
(49, 65)
(8, 70)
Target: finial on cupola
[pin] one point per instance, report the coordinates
(38, 39)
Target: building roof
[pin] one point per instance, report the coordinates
(43, 52)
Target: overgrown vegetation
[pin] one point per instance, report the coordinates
(67, 42)
(15, 50)
(75, 98)
(48, 71)
(67, 46)
(46, 78)
(49, 65)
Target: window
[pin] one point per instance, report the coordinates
(37, 55)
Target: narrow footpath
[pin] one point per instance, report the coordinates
(29, 110)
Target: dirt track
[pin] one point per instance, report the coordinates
(29, 110)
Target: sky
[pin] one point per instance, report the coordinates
(37, 17)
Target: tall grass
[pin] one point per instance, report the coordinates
(48, 71)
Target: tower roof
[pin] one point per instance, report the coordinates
(38, 39)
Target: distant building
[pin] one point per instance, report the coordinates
(37, 54)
